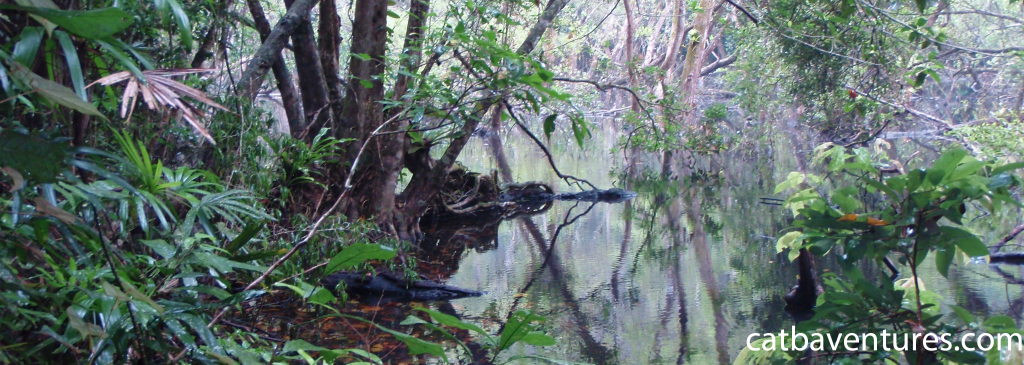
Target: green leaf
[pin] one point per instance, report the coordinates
(47, 4)
(1000, 323)
(534, 358)
(74, 66)
(966, 241)
(25, 50)
(538, 339)
(184, 27)
(92, 24)
(138, 295)
(1007, 167)
(161, 247)
(198, 325)
(919, 80)
(356, 254)
(414, 320)
(789, 241)
(83, 327)
(549, 124)
(451, 321)
(921, 5)
(943, 258)
(296, 345)
(52, 91)
(122, 58)
(518, 326)
(416, 345)
(322, 296)
(302, 293)
(259, 255)
(949, 161)
(579, 129)
(244, 237)
(224, 359)
(113, 291)
(392, 14)
(963, 314)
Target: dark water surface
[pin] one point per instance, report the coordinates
(683, 273)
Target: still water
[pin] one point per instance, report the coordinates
(683, 273)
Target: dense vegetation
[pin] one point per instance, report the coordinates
(135, 234)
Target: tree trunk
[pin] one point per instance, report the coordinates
(289, 99)
(329, 31)
(206, 49)
(312, 85)
(374, 194)
(377, 175)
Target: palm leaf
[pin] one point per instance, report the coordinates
(161, 93)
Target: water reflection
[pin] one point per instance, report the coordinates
(681, 274)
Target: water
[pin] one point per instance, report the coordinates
(681, 274)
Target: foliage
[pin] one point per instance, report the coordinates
(520, 327)
(907, 216)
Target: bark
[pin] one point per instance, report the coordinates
(630, 56)
(289, 99)
(374, 194)
(312, 85)
(80, 127)
(418, 11)
(262, 61)
(935, 16)
(652, 40)
(695, 56)
(542, 25)
(714, 66)
(676, 38)
(1020, 100)
(205, 50)
(497, 149)
(363, 113)
(329, 31)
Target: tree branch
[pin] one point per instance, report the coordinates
(263, 60)
(719, 63)
(547, 153)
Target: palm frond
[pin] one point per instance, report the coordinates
(161, 93)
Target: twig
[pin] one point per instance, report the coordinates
(551, 160)
(603, 87)
(745, 12)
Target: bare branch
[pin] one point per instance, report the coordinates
(547, 153)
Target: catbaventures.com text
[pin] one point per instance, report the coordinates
(885, 341)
